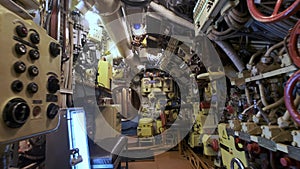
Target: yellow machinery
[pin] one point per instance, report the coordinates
(146, 85)
(229, 149)
(104, 74)
(30, 78)
(145, 128)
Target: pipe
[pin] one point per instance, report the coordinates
(262, 94)
(263, 114)
(170, 15)
(274, 47)
(111, 16)
(247, 93)
(274, 105)
(287, 115)
(288, 96)
(227, 48)
(250, 107)
(251, 61)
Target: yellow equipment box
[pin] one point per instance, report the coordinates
(104, 74)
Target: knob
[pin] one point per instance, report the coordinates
(32, 88)
(34, 54)
(54, 49)
(20, 49)
(35, 38)
(21, 31)
(20, 67)
(33, 71)
(52, 110)
(53, 84)
(17, 86)
(16, 112)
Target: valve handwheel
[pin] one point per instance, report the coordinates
(293, 44)
(276, 15)
(288, 96)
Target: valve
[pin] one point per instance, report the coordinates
(293, 44)
(276, 15)
(288, 96)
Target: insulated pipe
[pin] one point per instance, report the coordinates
(231, 54)
(170, 15)
(111, 16)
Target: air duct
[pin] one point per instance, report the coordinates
(111, 16)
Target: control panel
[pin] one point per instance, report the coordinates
(30, 70)
(204, 13)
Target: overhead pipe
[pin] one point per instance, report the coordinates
(231, 54)
(111, 15)
(170, 15)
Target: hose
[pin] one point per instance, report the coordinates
(227, 48)
(238, 162)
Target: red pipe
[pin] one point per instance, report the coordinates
(293, 48)
(276, 15)
(288, 96)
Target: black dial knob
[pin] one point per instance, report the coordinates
(53, 84)
(34, 54)
(35, 38)
(54, 49)
(52, 110)
(21, 31)
(32, 88)
(16, 112)
(20, 67)
(17, 86)
(20, 49)
(33, 71)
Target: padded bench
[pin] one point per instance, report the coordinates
(101, 158)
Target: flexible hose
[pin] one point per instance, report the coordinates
(227, 48)
(238, 162)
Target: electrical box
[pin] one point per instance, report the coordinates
(30, 78)
(104, 74)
